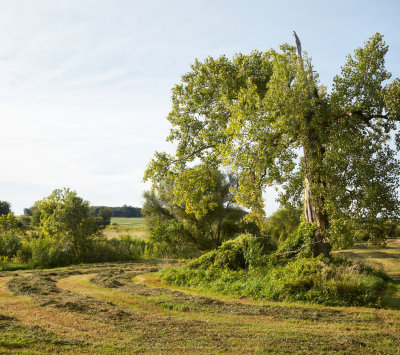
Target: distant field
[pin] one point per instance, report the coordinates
(128, 222)
(134, 227)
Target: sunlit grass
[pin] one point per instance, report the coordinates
(386, 258)
(128, 222)
(165, 319)
(134, 227)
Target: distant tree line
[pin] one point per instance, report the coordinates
(124, 211)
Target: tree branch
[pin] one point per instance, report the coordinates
(298, 250)
(195, 152)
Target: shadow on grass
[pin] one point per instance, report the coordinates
(372, 254)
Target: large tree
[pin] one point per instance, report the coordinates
(266, 118)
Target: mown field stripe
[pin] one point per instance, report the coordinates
(72, 324)
(267, 330)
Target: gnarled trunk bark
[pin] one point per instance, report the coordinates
(312, 208)
(319, 245)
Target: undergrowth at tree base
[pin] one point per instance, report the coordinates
(242, 268)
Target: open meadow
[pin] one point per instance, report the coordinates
(124, 308)
(133, 227)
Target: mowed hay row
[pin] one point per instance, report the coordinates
(103, 309)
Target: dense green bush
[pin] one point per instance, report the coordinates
(47, 252)
(244, 252)
(282, 223)
(232, 270)
(11, 235)
(297, 241)
(124, 248)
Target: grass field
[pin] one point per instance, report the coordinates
(123, 308)
(134, 227)
(127, 222)
(385, 258)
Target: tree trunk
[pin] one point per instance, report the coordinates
(312, 209)
(319, 245)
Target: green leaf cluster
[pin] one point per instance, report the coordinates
(265, 118)
(66, 222)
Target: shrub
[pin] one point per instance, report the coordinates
(46, 252)
(24, 254)
(299, 238)
(10, 244)
(244, 252)
(230, 270)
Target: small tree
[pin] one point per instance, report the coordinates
(66, 218)
(196, 208)
(105, 214)
(265, 117)
(5, 208)
(27, 212)
(282, 223)
(11, 234)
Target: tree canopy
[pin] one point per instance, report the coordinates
(5, 207)
(266, 118)
(200, 211)
(65, 217)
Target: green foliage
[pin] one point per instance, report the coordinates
(300, 238)
(12, 266)
(105, 216)
(241, 268)
(5, 208)
(25, 222)
(65, 220)
(282, 223)
(124, 248)
(67, 233)
(36, 214)
(390, 229)
(123, 211)
(266, 118)
(244, 252)
(203, 215)
(47, 252)
(27, 212)
(10, 235)
(9, 223)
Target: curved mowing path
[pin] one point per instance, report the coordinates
(105, 312)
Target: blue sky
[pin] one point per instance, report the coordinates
(85, 85)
